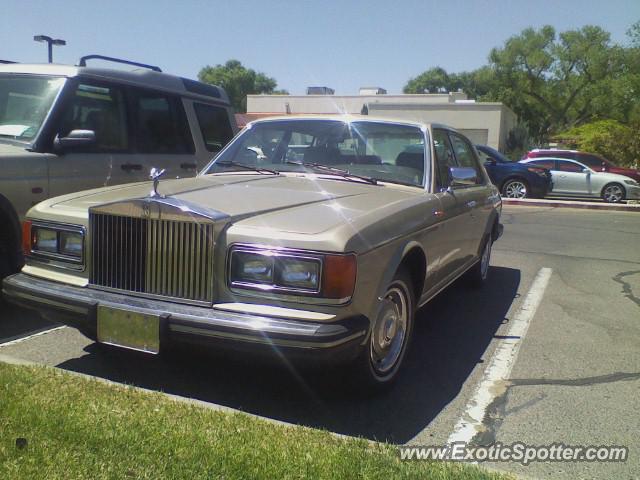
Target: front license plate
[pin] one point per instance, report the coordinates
(123, 328)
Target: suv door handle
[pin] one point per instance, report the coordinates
(188, 166)
(128, 167)
(471, 203)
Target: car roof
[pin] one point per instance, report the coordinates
(352, 118)
(143, 77)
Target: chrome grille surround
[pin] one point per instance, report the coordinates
(153, 247)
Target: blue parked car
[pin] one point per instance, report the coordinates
(515, 180)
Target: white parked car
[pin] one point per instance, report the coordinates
(574, 179)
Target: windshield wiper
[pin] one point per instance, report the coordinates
(337, 171)
(231, 163)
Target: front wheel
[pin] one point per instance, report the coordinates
(515, 188)
(379, 363)
(613, 193)
(479, 273)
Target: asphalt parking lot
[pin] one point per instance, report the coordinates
(576, 379)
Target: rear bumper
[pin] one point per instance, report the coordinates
(184, 324)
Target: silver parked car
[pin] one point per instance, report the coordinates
(574, 179)
(316, 238)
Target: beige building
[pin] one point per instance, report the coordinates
(485, 123)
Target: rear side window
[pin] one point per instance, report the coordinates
(101, 109)
(160, 124)
(214, 125)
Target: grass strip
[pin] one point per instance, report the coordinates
(54, 425)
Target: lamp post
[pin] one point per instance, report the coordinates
(50, 43)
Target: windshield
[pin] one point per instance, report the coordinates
(24, 104)
(377, 150)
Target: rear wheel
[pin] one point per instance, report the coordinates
(613, 193)
(515, 188)
(378, 365)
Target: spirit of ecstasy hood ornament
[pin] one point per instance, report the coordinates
(155, 175)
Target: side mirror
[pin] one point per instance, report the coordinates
(462, 176)
(490, 161)
(74, 140)
(587, 171)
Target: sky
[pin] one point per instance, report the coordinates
(340, 44)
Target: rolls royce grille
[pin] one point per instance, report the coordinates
(153, 257)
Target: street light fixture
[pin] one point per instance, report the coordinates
(50, 43)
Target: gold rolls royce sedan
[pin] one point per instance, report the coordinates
(315, 238)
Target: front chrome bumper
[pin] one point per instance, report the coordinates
(77, 307)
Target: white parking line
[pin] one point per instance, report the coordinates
(14, 340)
(501, 364)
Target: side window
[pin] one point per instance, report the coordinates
(444, 157)
(465, 156)
(160, 124)
(550, 164)
(592, 161)
(100, 109)
(569, 166)
(214, 125)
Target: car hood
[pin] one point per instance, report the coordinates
(11, 150)
(288, 203)
(613, 177)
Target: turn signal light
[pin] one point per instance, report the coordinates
(27, 239)
(339, 276)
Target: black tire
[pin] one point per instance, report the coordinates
(613, 193)
(516, 188)
(377, 367)
(478, 274)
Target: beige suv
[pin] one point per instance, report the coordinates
(70, 128)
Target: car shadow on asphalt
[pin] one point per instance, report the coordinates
(16, 322)
(451, 335)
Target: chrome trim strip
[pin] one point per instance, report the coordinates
(279, 342)
(167, 208)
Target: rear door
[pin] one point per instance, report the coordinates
(162, 137)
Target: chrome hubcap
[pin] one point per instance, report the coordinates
(388, 336)
(613, 193)
(484, 260)
(516, 190)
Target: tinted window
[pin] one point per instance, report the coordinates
(550, 164)
(592, 161)
(214, 125)
(102, 110)
(444, 157)
(161, 124)
(464, 154)
(569, 166)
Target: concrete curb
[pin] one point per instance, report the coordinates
(612, 207)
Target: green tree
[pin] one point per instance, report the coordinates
(238, 81)
(618, 142)
(556, 76)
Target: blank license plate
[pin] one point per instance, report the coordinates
(123, 328)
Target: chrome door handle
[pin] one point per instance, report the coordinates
(471, 203)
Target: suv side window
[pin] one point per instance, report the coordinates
(444, 157)
(550, 164)
(160, 123)
(101, 109)
(214, 125)
(464, 155)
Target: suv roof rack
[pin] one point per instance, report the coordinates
(83, 62)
